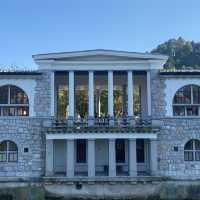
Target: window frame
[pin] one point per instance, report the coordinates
(187, 106)
(194, 151)
(7, 152)
(14, 106)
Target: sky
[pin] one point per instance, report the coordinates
(29, 27)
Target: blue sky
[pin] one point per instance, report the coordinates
(29, 27)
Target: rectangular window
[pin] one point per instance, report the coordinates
(192, 110)
(188, 156)
(196, 95)
(62, 102)
(4, 95)
(197, 155)
(81, 151)
(120, 150)
(179, 111)
(140, 151)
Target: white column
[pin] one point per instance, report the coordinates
(70, 158)
(112, 158)
(153, 156)
(71, 95)
(91, 97)
(130, 93)
(91, 157)
(149, 92)
(132, 158)
(52, 93)
(110, 96)
(98, 103)
(49, 157)
(130, 97)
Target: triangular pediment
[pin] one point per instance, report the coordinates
(97, 58)
(97, 55)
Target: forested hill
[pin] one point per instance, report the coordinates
(182, 54)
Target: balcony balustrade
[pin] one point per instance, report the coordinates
(101, 124)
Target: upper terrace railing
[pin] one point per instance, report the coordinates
(103, 125)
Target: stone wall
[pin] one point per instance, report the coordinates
(26, 133)
(42, 105)
(175, 133)
(157, 95)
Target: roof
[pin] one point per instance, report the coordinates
(99, 52)
(177, 72)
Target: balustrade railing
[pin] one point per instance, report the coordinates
(122, 122)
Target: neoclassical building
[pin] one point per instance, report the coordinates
(100, 113)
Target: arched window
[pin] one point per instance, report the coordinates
(192, 150)
(13, 101)
(186, 101)
(8, 151)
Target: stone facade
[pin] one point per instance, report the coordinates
(26, 133)
(42, 98)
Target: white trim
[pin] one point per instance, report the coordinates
(99, 52)
(102, 136)
(99, 65)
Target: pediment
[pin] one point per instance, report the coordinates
(98, 55)
(97, 58)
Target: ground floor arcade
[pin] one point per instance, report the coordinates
(101, 157)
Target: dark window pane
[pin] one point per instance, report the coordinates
(196, 94)
(17, 96)
(197, 155)
(3, 146)
(4, 95)
(140, 151)
(5, 111)
(192, 110)
(81, 151)
(12, 156)
(120, 150)
(137, 100)
(188, 156)
(197, 145)
(62, 102)
(179, 110)
(22, 111)
(189, 145)
(183, 96)
(3, 156)
(118, 109)
(12, 146)
(81, 99)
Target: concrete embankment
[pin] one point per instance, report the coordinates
(135, 190)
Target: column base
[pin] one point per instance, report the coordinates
(70, 174)
(132, 173)
(90, 121)
(49, 173)
(70, 121)
(111, 121)
(112, 173)
(131, 121)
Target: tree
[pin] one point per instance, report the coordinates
(182, 53)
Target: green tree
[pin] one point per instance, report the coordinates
(182, 53)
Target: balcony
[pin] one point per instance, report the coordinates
(102, 125)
